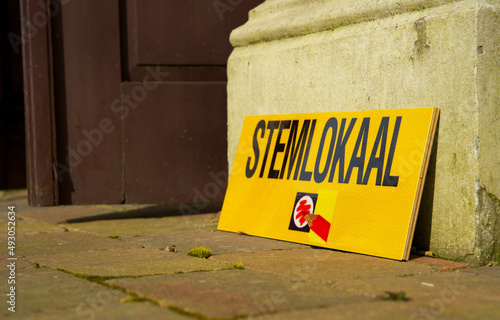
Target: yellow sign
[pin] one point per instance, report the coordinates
(350, 181)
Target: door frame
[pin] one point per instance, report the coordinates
(39, 103)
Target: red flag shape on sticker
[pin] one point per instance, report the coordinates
(321, 227)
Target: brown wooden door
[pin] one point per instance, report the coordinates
(126, 100)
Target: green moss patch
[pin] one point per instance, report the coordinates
(394, 296)
(200, 252)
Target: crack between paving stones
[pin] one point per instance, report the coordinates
(198, 316)
(100, 280)
(210, 270)
(134, 297)
(275, 312)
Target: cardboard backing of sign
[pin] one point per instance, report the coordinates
(350, 181)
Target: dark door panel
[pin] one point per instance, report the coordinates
(126, 100)
(175, 142)
(180, 33)
(176, 32)
(87, 74)
(173, 32)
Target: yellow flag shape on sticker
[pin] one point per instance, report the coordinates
(350, 181)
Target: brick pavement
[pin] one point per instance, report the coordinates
(114, 262)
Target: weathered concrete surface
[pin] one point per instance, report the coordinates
(317, 56)
(277, 19)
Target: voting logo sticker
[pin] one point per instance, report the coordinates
(304, 219)
(304, 205)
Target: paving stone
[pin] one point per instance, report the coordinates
(85, 213)
(66, 242)
(454, 293)
(61, 214)
(20, 204)
(231, 293)
(126, 262)
(43, 293)
(219, 241)
(28, 226)
(440, 264)
(50, 215)
(22, 227)
(13, 197)
(182, 232)
(299, 283)
(472, 311)
(122, 311)
(371, 310)
(485, 271)
(322, 265)
(3, 219)
(147, 227)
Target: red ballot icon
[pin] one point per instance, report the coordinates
(305, 219)
(318, 225)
